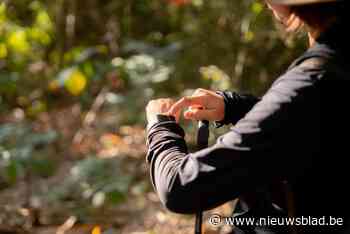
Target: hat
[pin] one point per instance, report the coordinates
(300, 2)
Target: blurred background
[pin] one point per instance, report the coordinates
(75, 76)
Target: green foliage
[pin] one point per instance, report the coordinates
(22, 151)
(98, 181)
(57, 50)
(19, 41)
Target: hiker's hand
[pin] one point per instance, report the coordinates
(202, 105)
(159, 106)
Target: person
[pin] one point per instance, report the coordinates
(274, 159)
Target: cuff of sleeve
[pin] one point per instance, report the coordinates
(226, 119)
(160, 118)
(162, 132)
(164, 126)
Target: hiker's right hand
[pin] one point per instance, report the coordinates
(202, 105)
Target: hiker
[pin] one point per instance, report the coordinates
(274, 159)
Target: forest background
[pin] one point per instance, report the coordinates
(75, 77)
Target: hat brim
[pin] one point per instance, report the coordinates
(301, 2)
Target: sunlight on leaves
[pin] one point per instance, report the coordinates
(212, 73)
(197, 3)
(36, 108)
(2, 13)
(98, 199)
(18, 41)
(257, 8)
(117, 62)
(3, 51)
(43, 21)
(248, 36)
(40, 36)
(220, 80)
(76, 83)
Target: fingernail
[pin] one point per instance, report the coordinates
(188, 114)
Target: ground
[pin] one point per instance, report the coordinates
(139, 213)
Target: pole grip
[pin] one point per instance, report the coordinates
(202, 143)
(203, 134)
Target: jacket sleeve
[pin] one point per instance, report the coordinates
(236, 106)
(253, 153)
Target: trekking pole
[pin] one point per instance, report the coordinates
(202, 143)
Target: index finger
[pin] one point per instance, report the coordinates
(186, 102)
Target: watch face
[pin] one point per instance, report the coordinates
(165, 118)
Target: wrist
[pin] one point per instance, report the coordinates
(220, 123)
(158, 118)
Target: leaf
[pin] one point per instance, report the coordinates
(110, 140)
(161, 74)
(98, 199)
(115, 197)
(96, 230)
(40, 36)
(2, 12)
(18, 41)
(43, 167)
(3, 51)
(43, 21)
(88, 168)
(219, 79)
(41, 138)
(75, 82)
(9, 83)
(12, 171)
(36, 108)
(249, 36)
(5, 131)
(213, 73)
(257, 8)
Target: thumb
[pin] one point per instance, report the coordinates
(200, 114)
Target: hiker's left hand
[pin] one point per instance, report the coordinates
(159, 106)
